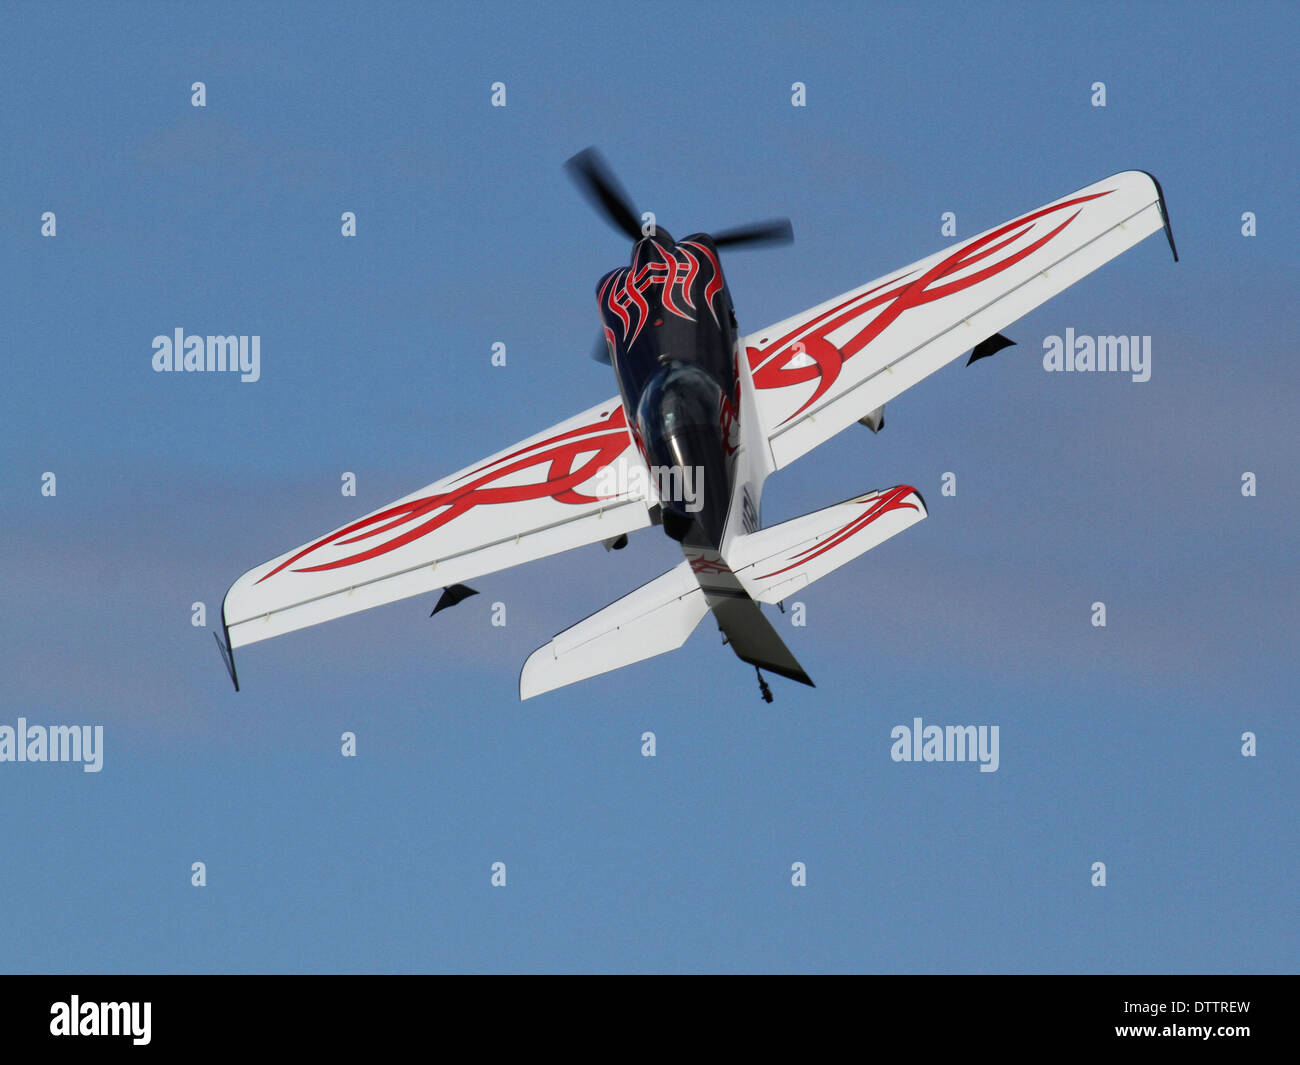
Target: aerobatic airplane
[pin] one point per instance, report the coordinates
(704, 414)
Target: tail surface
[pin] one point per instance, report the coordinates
(764, 566)
(754, 640)
(773, 563)
(655, 618)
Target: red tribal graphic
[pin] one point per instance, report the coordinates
(894, 499)
(705, 564)
(555, 458)
(771, 364)
(677, 268)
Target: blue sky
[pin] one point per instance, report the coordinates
(1119, 745)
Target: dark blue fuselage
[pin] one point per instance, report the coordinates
(671, 332)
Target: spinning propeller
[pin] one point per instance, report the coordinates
(599, 184)
(597, 181)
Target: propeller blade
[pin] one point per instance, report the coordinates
(594, 177)
(600, 351)
(777, 231)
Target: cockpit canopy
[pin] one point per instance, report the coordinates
(679, 401)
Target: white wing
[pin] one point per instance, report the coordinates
(819, 372)
(573, 484)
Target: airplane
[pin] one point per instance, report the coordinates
(703, 416)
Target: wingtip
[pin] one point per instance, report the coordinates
(223, 641)
(227, 655)
(1164, 212)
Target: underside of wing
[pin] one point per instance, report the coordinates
(574, 484)
(819, 372)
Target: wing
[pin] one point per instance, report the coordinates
(820, 371)
(580, 481)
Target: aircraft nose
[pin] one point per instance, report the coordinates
(659, 236)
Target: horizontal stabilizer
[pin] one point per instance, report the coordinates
(772, 563)
(655, 618)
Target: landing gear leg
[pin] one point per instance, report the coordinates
(762, 686)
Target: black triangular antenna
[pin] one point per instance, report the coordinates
(985, 348)
(451, 595)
